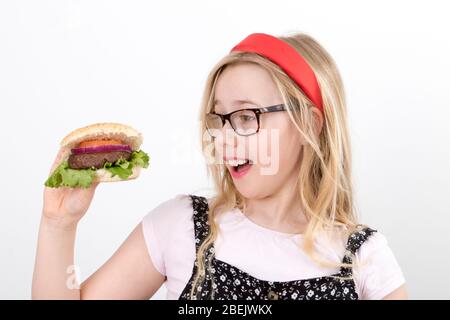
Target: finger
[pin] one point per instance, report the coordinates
(92, 187)
(95, 184)
(58, 159)
(88, 192)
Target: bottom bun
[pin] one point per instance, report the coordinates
(102, 175)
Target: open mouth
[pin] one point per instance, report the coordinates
(239, 165)
(242, 166)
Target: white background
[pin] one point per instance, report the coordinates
(65, 64)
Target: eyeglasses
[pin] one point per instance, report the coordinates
(244, 122)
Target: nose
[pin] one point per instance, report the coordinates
(227, 137)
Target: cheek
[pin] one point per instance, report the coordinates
(217, 148)
(284, 153)
(278, 148)
(290, 153)
(291, 148)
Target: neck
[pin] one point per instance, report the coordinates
(281, 211)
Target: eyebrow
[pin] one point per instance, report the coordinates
(237, 102)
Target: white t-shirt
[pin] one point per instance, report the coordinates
(261, 252)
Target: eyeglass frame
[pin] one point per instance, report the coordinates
(257, 111)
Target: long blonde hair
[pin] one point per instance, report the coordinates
(324, 179)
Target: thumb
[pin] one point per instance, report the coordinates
(95, 184)
(93, 187)
(58, 159)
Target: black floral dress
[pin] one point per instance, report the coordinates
(226, 282)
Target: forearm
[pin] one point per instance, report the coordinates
(54, 276)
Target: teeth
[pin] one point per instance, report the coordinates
(235, 163)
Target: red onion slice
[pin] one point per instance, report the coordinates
(105, 148)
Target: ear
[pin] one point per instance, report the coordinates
(318, 117)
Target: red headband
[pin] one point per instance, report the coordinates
(287, 58)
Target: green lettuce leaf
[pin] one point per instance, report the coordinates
(140, 158)
(63, 176)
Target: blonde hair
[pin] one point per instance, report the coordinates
(324, 179)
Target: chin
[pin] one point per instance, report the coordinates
(249, 191)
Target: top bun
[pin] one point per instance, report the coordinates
(108, 130)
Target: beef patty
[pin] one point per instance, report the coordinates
(97, 160)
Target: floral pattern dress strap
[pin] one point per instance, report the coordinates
(200, 218)
(201, 230)
(354, 242)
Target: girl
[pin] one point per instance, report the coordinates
(282, 223)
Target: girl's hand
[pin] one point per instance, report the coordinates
(64, 206)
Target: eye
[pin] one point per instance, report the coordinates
(246, 117)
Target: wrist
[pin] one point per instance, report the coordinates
(58, 224)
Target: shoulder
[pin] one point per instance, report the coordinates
(377, 271)
(371, 241)
(169, 215)
(173, 213)
(171, 208)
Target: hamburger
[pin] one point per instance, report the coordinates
(100, 152)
